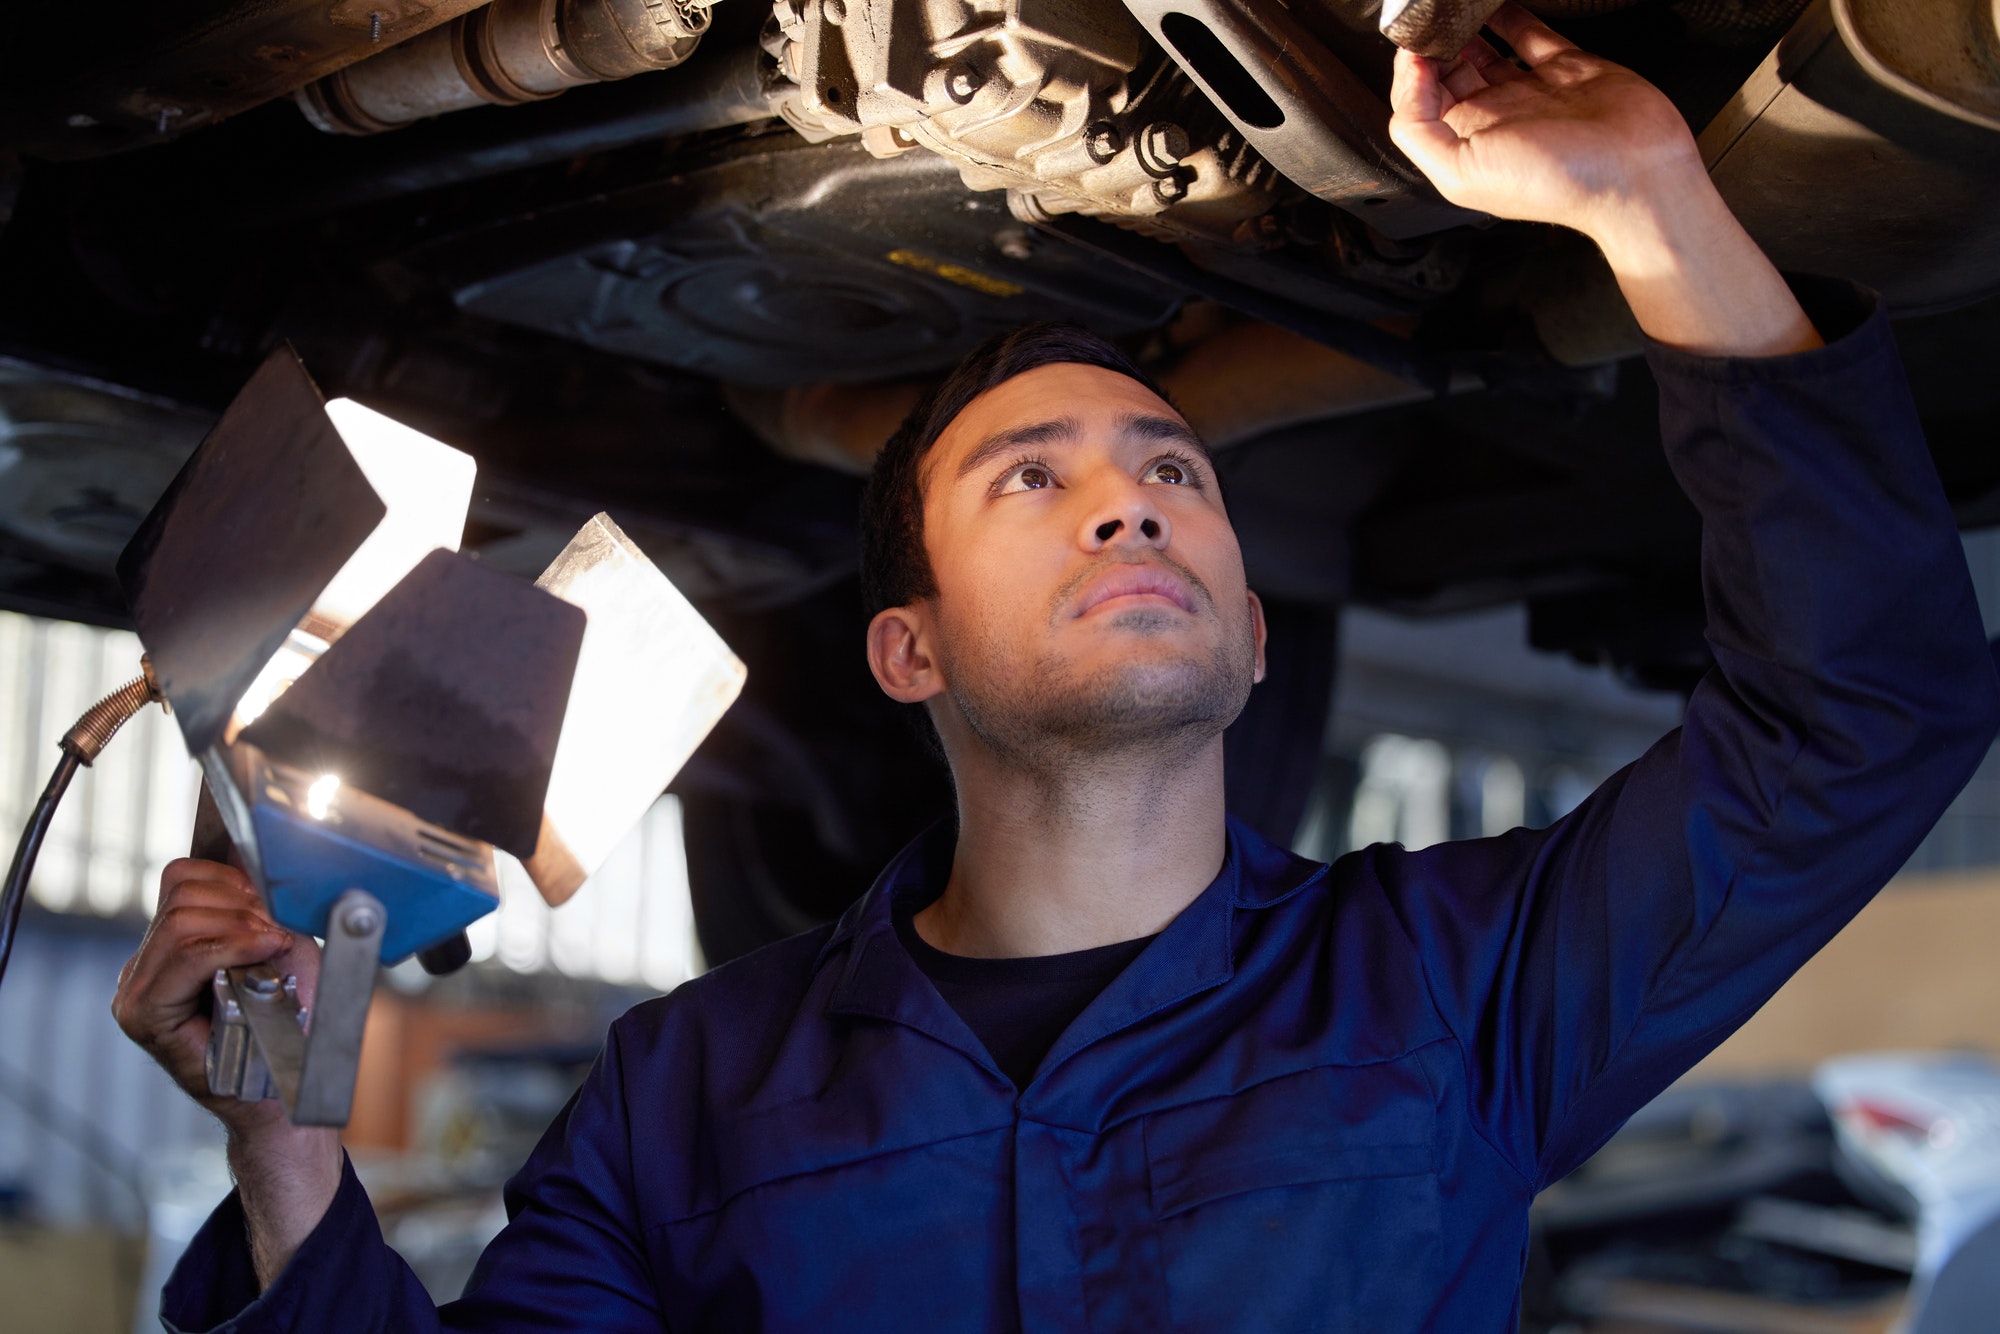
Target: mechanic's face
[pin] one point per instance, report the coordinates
(1090, 588)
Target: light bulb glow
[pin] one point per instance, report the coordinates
(319, 797)
(285, 667)
(427, 487)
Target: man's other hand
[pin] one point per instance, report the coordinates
(1576, 140)
(210, 916)
(1572, 139)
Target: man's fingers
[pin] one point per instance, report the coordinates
(1533, 40)
(209, 917)
(189, 943)
(1495, 68)
(1419, 98)
(1415, 91)
(1462, 79)
(210, 894)
(188, 883)
(164, 981)
(191, 870)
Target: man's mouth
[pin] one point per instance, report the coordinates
(1135, 584)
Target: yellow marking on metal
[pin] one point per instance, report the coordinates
(955, 273)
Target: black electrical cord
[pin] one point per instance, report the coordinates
(16, 892)
(81, 745)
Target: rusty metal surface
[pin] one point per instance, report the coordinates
(1301, 107)
(506, 53)
(83, 82)
(1945, 53)
(1905, 194)
(1062, 105)
(1439, 29)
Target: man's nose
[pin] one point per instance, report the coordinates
(1128, 518)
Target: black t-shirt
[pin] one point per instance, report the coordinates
(1019, 1007)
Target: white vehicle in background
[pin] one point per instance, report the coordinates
(1922, 1130)
(1863, 1200)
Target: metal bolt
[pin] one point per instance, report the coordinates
(375, 26)
(1103, 141)
(359, 920)
(1013, 242)
(1162, 145)
(1170, 189)
(833, 11)
(962, 81)
(261, 982)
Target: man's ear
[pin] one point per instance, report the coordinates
(899, 653)
(1258, 631)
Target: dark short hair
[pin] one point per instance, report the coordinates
(895, 568)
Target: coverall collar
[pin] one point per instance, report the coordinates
(1194, 953)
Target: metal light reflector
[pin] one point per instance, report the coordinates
(426, 489)
(651, 680)
(292, 519)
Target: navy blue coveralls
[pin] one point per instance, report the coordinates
(1323, 1097)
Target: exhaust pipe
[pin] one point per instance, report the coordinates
(507, 53)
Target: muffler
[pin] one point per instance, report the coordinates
(507, 53)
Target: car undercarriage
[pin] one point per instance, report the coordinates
(690, 263)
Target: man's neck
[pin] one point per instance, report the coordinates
(1088, 854)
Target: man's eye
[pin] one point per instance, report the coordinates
(1170, 472)
(1028, 477)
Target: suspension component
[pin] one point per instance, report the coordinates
(509, 52)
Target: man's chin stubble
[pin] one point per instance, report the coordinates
(1053, 716)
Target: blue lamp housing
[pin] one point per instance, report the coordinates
(317, 839)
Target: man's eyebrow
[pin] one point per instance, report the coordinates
(1019, 437)
(1154, 427)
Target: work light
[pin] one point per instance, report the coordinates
(375, 713)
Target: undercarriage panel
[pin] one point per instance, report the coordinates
(787, 262)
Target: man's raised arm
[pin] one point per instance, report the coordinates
(1583, 967)
(1579, 141)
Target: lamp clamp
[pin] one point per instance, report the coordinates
(262, 1041)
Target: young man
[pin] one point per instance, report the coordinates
(1095, 1059)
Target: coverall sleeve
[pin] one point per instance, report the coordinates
(568, 1259)
(1583, 967)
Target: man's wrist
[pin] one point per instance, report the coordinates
(287, 1177)
(1667, 229)
(1694, 278)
